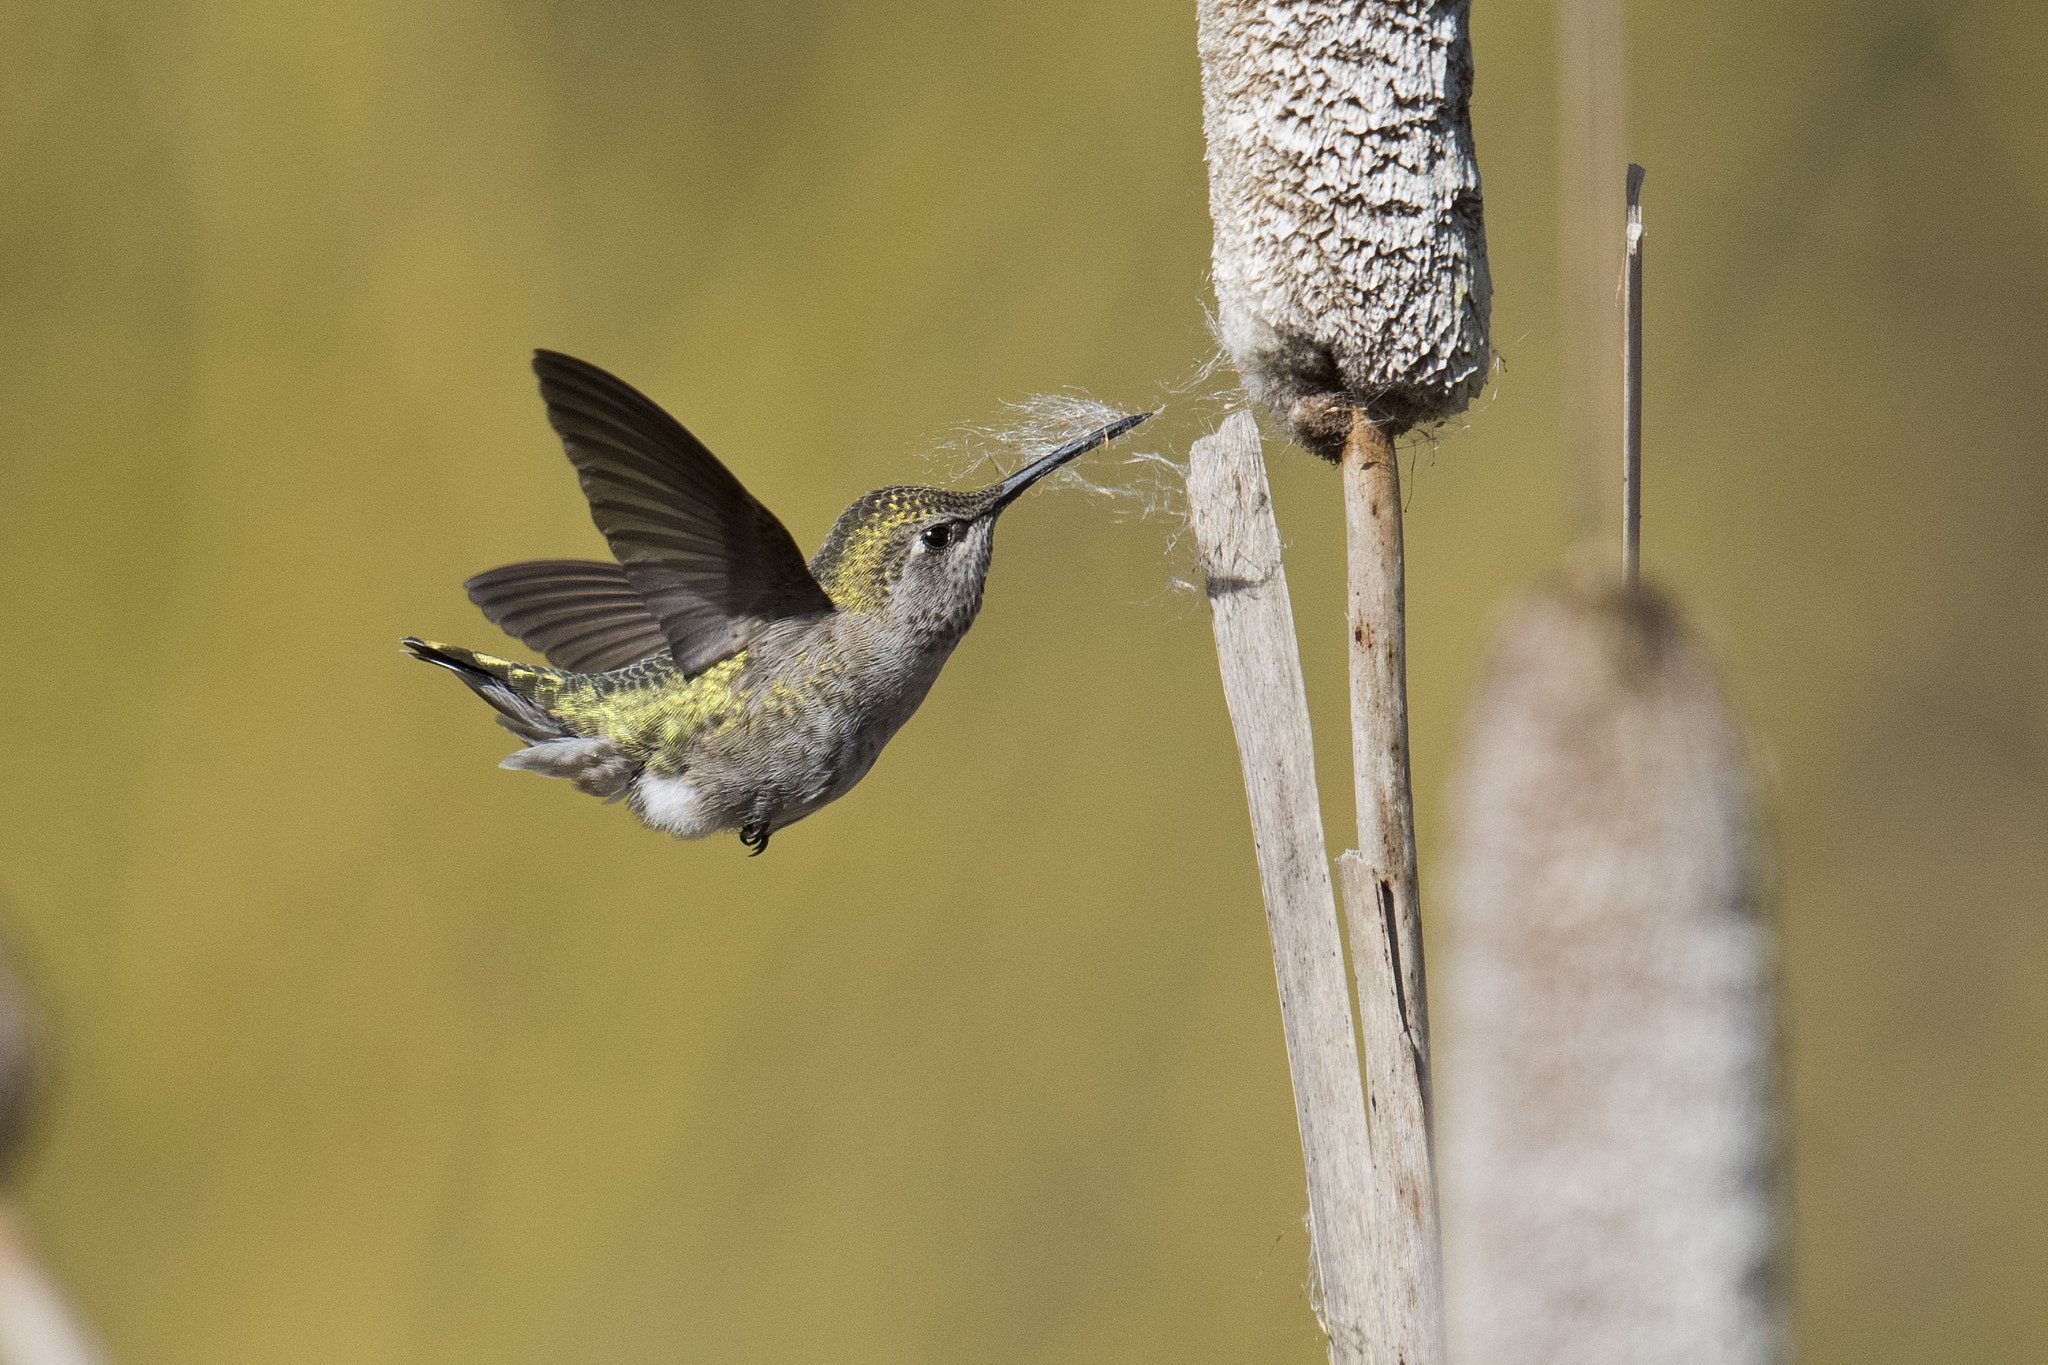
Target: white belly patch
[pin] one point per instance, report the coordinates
(672, 804)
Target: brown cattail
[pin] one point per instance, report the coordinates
(1609, 1160)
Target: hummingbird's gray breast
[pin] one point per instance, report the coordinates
(820, 700)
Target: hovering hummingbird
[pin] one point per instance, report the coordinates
(710, 678)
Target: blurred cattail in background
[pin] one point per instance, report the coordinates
(37, 1326)
(1609, 1147)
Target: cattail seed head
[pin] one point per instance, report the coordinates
(1350, 260)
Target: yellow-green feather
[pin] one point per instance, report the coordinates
(649, 709)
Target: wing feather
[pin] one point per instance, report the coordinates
(710, 564)
(581, 614)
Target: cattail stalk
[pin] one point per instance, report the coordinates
(1632, 387)
(1383, 908)
(1353, 296)
(1237, 543)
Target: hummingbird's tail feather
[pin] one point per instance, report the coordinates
(507, 686)
(598, 767)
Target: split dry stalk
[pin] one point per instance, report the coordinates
(1238, 546)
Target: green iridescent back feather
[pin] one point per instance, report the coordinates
(649, 709)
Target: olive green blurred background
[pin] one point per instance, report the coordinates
(367, 1052)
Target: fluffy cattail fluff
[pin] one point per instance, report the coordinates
(1350, 262)
(1606, 1069)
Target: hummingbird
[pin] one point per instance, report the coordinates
(711, 678)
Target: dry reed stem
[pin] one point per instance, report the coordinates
(1632, 388)
(1238, 547)
(1383, 910)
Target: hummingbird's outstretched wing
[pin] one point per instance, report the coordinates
(710, 563)
(582, 614)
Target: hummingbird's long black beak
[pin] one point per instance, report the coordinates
(1012, 488)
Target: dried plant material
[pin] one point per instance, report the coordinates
(1130, 484)
(1609, 1153)
(1353, 297)
(1135, 484)
(1350, 260)
(1044, 422)
(1238, 545)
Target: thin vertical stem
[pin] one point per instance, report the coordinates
(1379, 679)
(1632, 389)
(1383, 908)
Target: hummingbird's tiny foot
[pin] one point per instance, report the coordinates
(755, 837)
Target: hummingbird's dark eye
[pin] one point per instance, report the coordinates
(938, 537)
